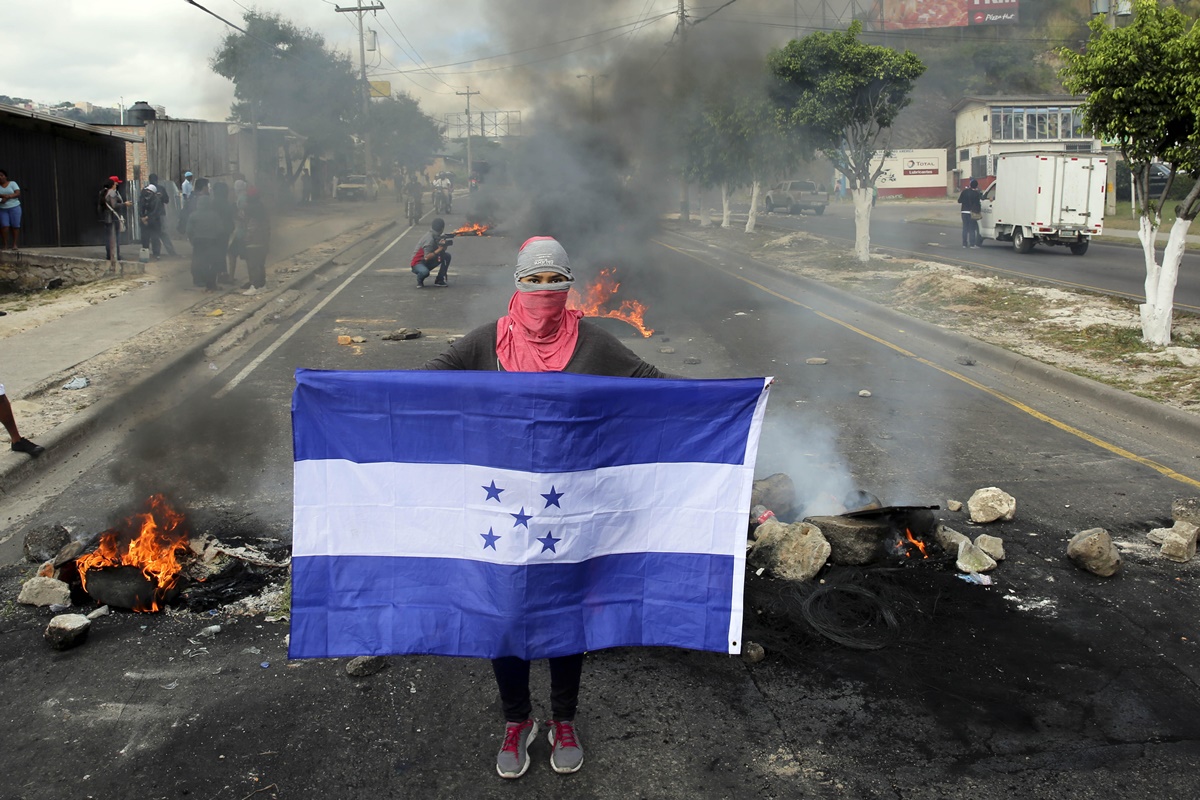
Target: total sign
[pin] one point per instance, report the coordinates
(992, 12)
(913, 173)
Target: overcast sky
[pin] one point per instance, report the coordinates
(101, 51)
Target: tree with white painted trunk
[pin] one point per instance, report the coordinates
(845, 95)
(1142, 87)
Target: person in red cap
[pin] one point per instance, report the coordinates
(111, 206)
(540, 334)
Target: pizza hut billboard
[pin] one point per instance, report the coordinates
(899, 15)
(992, 12)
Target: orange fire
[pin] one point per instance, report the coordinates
(152, 540)
(907, 544)
(474, 229)
(597, 295)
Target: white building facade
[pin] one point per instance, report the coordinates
(988, 126)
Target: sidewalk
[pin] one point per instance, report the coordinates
(42, 339)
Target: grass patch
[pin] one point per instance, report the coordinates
(1097, 341)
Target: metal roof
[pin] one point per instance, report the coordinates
(13, 111)
(1020, 100)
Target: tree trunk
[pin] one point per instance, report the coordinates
(725, 205)
(752, 220)
(862, 224)
(705, 217)
(1160, 280)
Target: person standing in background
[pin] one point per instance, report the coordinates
(206, 230)
(971, 203)
(149, 213)
(164, 200)
(10, 212)
(113, 204)
(238, 239)
(186, 188)
(256, 241)
(19, 443)
(305, 187)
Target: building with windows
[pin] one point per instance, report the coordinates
(988, 126)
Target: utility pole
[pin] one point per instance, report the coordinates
(685, 214)
(467, 94)
(593, 78)
(366, 87)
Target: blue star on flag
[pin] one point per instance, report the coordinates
(521, 518)
(493, 493)
(489, 539)
(548, 541)
(552, 498)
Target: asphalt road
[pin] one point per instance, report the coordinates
(1109, 266)
(1049, 684)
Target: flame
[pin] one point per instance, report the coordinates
(907, 544)
(595, 296)
(473, 229)
(152, 540)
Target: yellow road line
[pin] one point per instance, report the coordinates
(1017, 404)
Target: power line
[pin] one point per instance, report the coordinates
(418, 60)
(635, 23)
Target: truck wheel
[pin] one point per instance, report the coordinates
(1021, 242)
(1079, 248)
(794, 209)
(770, 206)
(820, 210)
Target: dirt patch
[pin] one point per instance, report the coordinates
(1095, 336)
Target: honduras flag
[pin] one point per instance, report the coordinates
(534, 515)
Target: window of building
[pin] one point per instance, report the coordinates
(979, 167)
(1028, 124)
(964, 155)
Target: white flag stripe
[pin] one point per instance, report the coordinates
(443, 511)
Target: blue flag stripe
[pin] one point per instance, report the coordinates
(350, 606)
(531, 422)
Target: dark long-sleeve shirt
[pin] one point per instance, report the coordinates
(597, 352)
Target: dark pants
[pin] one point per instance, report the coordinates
(112, 240)
(512, 677)
(970, 233)
(208, 258)
(166, 239)
(256, 264)
(152, 236)
(423, 268)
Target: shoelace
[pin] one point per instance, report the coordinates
(564, 734)
(512, 736)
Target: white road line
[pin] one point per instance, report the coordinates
(265, 354)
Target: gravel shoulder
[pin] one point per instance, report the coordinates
(1091, 335)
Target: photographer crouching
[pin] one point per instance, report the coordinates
(431, 254)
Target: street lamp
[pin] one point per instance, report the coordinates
(592, 78)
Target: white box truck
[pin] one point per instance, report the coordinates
(1048, 198)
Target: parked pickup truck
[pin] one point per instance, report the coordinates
(796, 197)
(1050, 198)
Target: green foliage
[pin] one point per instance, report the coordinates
(401, 134)
(735, 139)
(284, 75)
(1140, 81)
(841, 94)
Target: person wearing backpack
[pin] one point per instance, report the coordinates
(164, 192)
(150, 214)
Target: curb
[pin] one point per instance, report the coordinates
(1166, 419)
(79, 427)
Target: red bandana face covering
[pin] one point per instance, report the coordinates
(539, 333)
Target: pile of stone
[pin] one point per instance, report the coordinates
(1178, 543)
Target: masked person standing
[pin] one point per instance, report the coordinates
(540, 334)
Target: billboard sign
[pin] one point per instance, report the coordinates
(899, 15)
(992, 12)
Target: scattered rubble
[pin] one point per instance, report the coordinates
(954, 505)
(1179, 541)
(948, 538)
(44, 592)
(795, 552)
(404, 334)
(776, 492)
(816, 361)
(666, 350)
(1094, 551)
(363, 666)
(1186, 509)
(990, 504)
(44, 542)
(753, 652)
(691, 360)
(972, 558)
(67, 630)
(852, 541)
(102, 611)
(344, 340)
(78, 382)
(864, 393)
(992, 545)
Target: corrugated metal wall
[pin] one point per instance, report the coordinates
(176, 146)
(60, 171)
